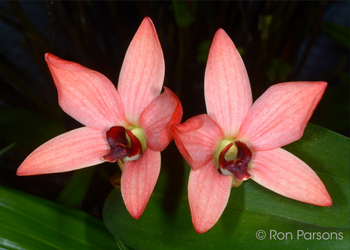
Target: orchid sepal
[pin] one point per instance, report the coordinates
(142, 72)
(86, 95)
(138, 181)
(227, 89)
(280, 115)
(207, 199)
(285, 174)
(76, 149)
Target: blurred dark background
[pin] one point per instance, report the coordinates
(278, 40)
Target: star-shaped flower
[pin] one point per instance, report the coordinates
(130, 125)
(239, 140)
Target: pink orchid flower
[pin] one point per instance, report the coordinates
(130, 125)
(237, 140)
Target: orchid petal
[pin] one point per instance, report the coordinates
(285, 174)
(138, 181)
(227, 90)
(208, 194)
(280, 115)
(197, 140)
(142, 74)
(85, 94)
(79, 148)
(157, 119)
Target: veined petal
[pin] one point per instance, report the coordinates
(85, 94)
(226, 86)
(280, 115)
(79, 148)
(142, 74)
(157, 119)
(285, 174)
(208, 194)
(138, 181)
(197, 140)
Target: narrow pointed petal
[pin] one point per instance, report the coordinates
(142, 74)
(285, 174)
(85, 94)
(281, 114)
(226, 86)
(79, 148)
(157, 119)
(208, 194)
(197, 140)
(138, 181)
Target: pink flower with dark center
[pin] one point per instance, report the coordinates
(238, 140)
(130, 125)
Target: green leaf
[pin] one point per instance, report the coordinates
(75, 190)
(241, 50)
(203, 51)
(183, 16)
(121, 245)
(264, 26)
(280, 69)
(4, 150)
(251, 207)
(29, 222)
(339, 33)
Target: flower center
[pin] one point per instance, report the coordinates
(233, 159)
(125, 144)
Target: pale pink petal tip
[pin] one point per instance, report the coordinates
(55, 61)
(285, 174)
(208, 194)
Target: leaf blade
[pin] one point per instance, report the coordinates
(29, 222)
(250, 208)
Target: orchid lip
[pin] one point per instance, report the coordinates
(124, 144)
(234, 159)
